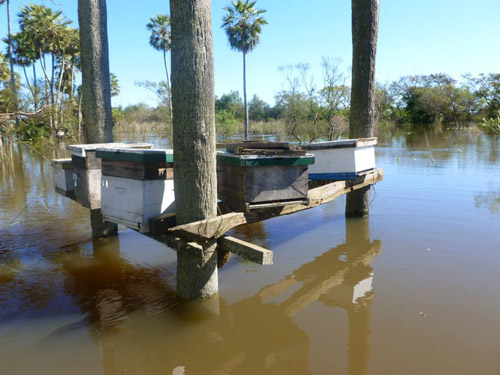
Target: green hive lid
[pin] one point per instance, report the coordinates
(262, 160)
(136, 155)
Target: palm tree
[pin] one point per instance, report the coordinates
(160, 40)
(243, 25)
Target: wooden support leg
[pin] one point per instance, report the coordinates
(197, 275)
(358, 202)
(101, 227)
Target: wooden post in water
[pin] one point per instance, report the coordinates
(96, 89)
(194, 140)
(365, 15)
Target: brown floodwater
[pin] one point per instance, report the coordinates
(414, 289)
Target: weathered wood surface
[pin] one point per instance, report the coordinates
(343, 143)
(246, 250)
(239, 186)
(254, 144)
(81, 150)
(88, 187)
(88, 162)
(204, 230)
(138, 171)
(216, 227)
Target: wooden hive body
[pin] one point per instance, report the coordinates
(137, 185)
(87, 170)
(341, 160)
(246, 181)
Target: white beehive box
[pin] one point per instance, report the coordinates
(63, 177)
(87, 170)
(136, 186)
(341, 160)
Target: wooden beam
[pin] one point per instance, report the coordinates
(246, 250)
(210, 228)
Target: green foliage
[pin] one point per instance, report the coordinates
(4, 68)
(491, 125)
(225, 123)
(160, 37)
(231, 103)
(158, 89)
(118, 116)
(243, 25)
(33, 130)
(115, 85)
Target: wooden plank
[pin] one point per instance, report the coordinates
(258, 206)
(81, 150)
(343, 143)
(255, 144)
(137, 155)
(210, 228)
(138, 171)
(65, 164)
(262, 160)
(246, 250)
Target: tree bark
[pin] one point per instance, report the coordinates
(245, 94)
(194, 139)
(365, 16)
(96, 86)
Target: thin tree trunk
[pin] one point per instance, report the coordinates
(168, 84)
(193, 101)
(35, 85)
(365, 16)
(96, 86)
(245, 94)
(28, 82)
(11, 62)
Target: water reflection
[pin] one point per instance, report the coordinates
(72, 306)
(141, 327)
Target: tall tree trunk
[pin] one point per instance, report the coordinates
(168, 84)
(193, 101)
(245, 94)
(11, 61)
(96, 86)
(365, 15)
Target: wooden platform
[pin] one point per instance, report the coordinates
(163, 228)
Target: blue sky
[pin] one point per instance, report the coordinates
(415, 37)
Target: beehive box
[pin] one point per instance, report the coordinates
(63, 177)
(87, 170)
(246, 182)
(341, 160)
(136, 186)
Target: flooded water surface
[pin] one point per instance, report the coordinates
(414, 289)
